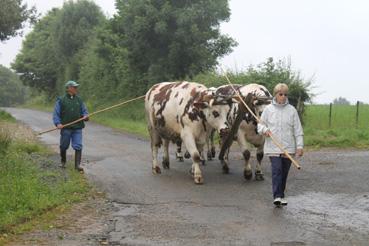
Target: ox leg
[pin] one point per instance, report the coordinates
(155, 145)
(224, 162)
(247, 173)
(166, 155)
(196, 159)
(259, 176)
(211, 146)
(179, 155)
(201, 150)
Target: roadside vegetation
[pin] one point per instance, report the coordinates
(31, 184)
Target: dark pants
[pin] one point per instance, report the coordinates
(280, 168)
(68, 135)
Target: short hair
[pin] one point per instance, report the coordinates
(280, 87)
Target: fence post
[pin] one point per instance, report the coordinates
(330, 115)
(357, 113)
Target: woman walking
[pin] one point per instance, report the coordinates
(281, 119)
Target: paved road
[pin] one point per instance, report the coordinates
(328, 198)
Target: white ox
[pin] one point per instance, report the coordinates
(184, 112)
(247, 131)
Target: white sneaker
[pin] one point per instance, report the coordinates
(284, 202)
(277, 201)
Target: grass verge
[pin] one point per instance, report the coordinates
(31, 184)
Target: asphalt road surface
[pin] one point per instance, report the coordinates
(328, 198)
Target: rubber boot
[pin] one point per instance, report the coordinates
(63, 155)
(77, 162)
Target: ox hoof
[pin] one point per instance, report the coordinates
(156, 170)
(165, 164)
(199, 180)
(247, 174)
(187, 155)
(213, 153)
(259, 176)
(225, 169)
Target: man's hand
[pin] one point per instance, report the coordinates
(300, 152)
(268, 133)
(60, 126)
(86, 118)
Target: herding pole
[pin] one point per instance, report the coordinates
(330, 115)
(295, 163)
(357, 113)
(97, 112)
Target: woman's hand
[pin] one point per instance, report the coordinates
(268, 133)
(300, 152)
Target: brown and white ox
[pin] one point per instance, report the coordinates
(247, 131)
(184, 112)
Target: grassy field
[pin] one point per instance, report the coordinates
(343, 133)
(31, 184)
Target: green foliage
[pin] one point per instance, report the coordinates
(51, 52)
(13, 15)
(12, 91)
(169, 40)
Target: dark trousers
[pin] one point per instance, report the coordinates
(280, 169)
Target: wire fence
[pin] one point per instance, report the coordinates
(333, 116)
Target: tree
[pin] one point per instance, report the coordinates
(12, 91)
(13, 15)
(52, 51)
(37, 63)
(341, 101)
(169, 40)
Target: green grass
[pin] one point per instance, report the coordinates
(130, 118)
(30, 183)
(343, 116)
(344, 131)
(6, 117)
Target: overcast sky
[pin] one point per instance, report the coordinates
(326, 39)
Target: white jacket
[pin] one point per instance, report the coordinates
(284, 123)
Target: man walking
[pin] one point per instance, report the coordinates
(68, 108)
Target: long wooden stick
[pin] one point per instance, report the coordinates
(94, 113)
(296, 164)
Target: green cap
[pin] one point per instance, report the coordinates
(71, 83)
